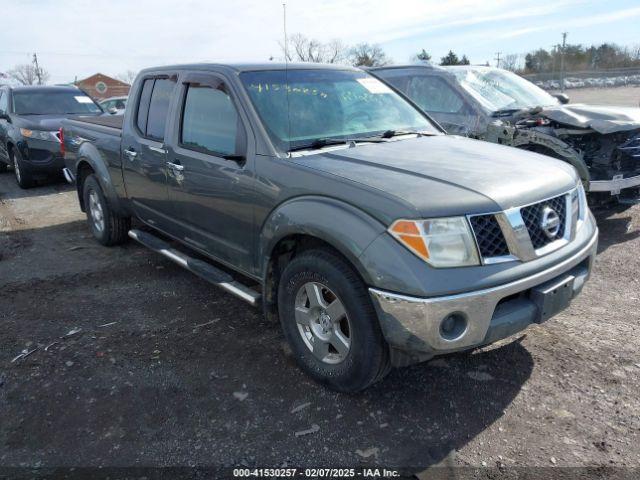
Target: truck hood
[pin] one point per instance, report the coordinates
(602, 119)
(448, 175)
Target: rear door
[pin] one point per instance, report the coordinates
(144, 154)
(211, 155)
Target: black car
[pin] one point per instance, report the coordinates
(29, 123)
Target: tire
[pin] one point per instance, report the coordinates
(23, 176)
(107, 227)
(329, 279)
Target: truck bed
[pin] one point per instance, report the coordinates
(112, 121)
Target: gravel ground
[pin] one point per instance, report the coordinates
(169, 371)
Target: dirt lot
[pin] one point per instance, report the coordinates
(189, 376)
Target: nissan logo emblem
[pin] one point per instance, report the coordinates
(550, 222)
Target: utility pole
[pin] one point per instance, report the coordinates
(564, 45)
(38, 73)
(498, 59)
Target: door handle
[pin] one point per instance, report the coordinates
(157, 149)
(175, 166)
(131, 154)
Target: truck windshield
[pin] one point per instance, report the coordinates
(328, 104)
(52, 103)
(501, 90)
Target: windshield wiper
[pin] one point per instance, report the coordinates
(505, 112)
(326, 142)
(396, 133)
(512, 112)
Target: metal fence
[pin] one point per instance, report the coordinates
(587, 78)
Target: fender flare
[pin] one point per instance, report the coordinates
(346, 228)
(88, 153)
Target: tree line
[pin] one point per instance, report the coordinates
(300, 48)
(578, 57)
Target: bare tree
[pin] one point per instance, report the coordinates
(303, 49)
(127, 77)
(367, 55)
(27, 74)
(510, 62)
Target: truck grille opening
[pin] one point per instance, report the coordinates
(491, 241)
(532, 216)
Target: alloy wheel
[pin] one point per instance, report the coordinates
(95, 209)
(323, 323)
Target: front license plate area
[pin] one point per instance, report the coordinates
(552, 297)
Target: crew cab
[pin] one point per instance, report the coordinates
(324, 196)
(601, 142)
(30, 119)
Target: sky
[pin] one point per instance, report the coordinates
(77, 38)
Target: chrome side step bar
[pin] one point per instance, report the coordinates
(201, 268)
(68, 176)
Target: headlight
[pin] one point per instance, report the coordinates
(39, 134)
(441, 242)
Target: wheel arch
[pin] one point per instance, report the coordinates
(301, 224)
(90, 161)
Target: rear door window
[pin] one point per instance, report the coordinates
(143, 105)
(159, 108)
(153, 107)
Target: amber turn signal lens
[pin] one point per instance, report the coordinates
(408, 233)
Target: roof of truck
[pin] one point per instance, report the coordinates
(252, 67)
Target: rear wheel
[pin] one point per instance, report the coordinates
(23, 176)
(107, 227)
(330, 323)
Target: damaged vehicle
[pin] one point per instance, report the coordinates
(602, 143)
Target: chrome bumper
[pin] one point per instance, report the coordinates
(415, 324)
(615, 185)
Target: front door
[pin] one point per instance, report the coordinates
(144, 154)
(210, 160)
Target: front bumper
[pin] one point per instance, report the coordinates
(414, 324)
(615, 185)
(41, 156)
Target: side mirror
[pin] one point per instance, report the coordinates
(562, 98)
(5, 116)
(113, 110)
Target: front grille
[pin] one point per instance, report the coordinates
(491, 241)
(532, 216)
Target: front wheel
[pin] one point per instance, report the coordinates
(23, 176)
(107, 227)
(328, 319)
